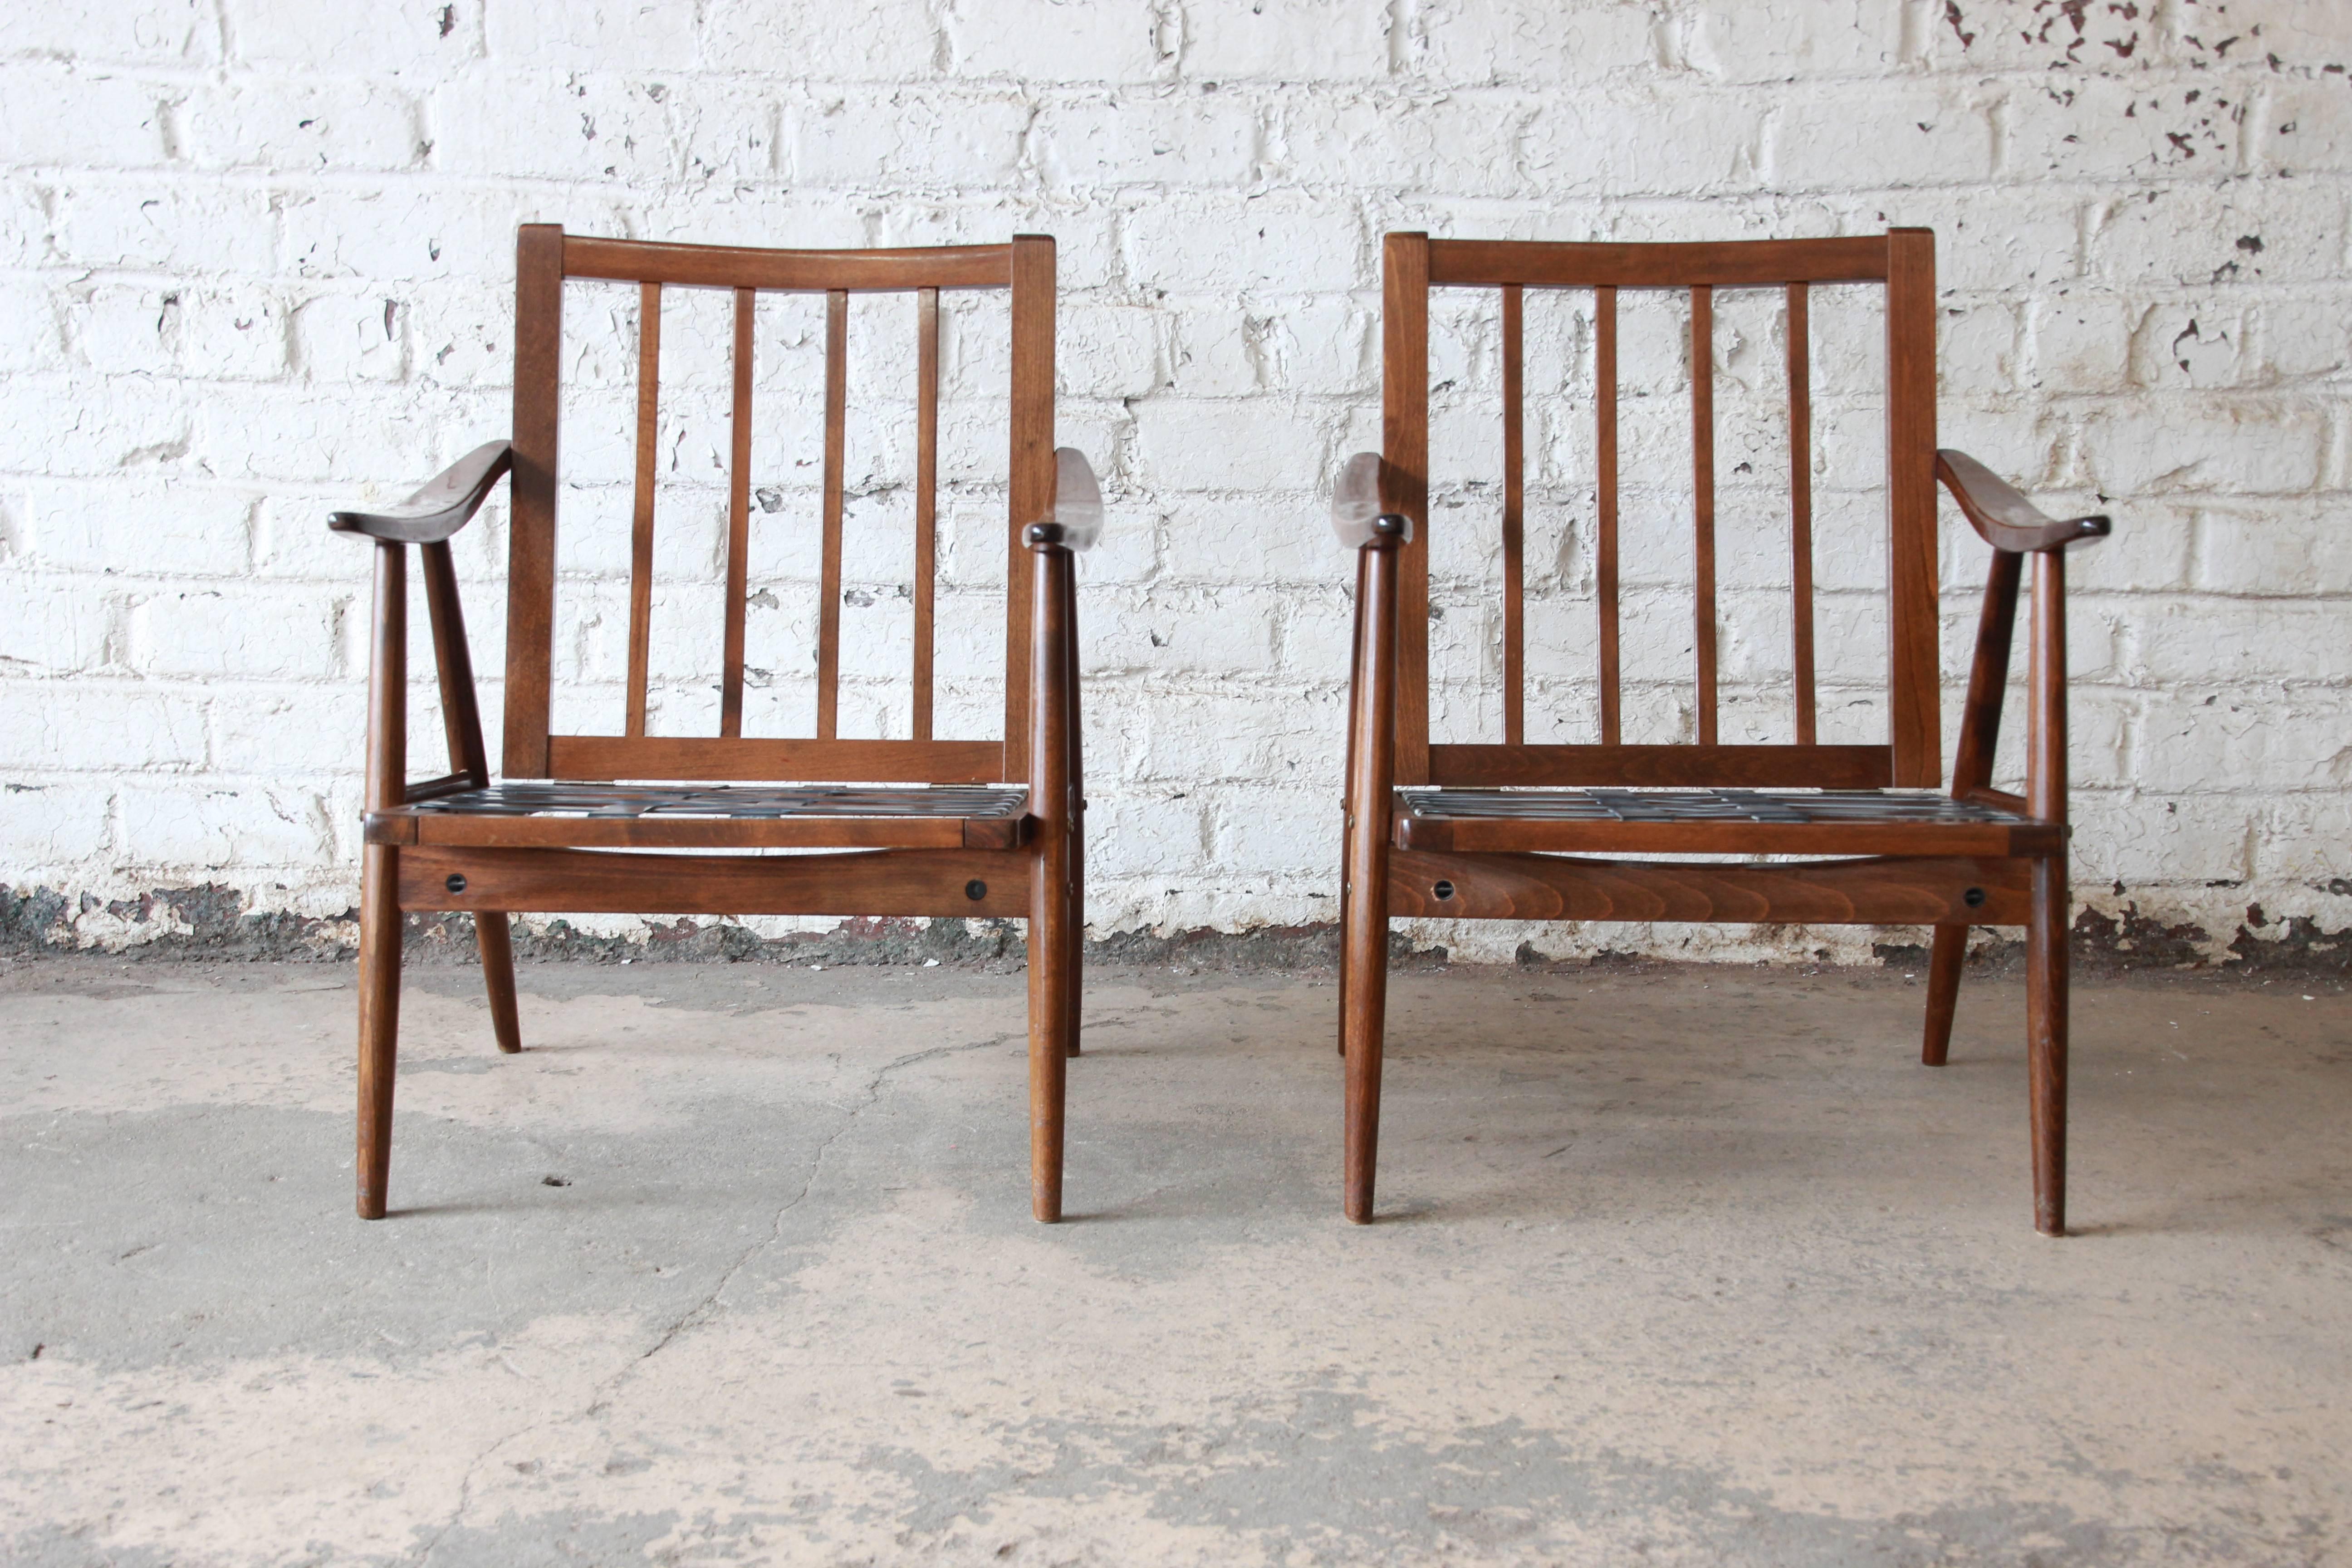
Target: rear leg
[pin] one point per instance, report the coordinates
(1943, 992)
(491, 936)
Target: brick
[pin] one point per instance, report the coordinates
(2234, 741)
(2305, 127)
(1930, 135)
(1309, 40)
(1528, 41)
(1466, 140)
(51, 113)
(2298, 549)
(49, 626)
(238, 633)
(2183, 640)
(1059, 40)
(344, 338)
(888, 41)
(2207, 445)
(172, 227)
(82, 726)
(214, 829)
(29, 334)
(2082, 339)
(2119, 129)
(145, 32)
(1766, 40)
(280, 125)
(541, 123)
(1290, 243)
(146, 526)
(2196, 237)
(1645, 144)
(1180, 136)
(647, 35)
(912, 137)
(1198, 445)
(331, 38)
(52, 825)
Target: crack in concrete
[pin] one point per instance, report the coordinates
(701, 1311)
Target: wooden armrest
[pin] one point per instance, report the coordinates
(440, 507)
(2006, 518)
(1075, 521)
(1356, 514)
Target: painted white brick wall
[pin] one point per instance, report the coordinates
(256, 261)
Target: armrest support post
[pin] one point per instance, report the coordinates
(1973, 764)
(387, 743)
(1371, 720)
(461, 717)
(2045, 782)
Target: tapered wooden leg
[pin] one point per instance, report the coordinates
(2045, 1013)
(1943, 992)
(1050, 991)
(1363, 1012)
(1077, 926)
(497, 976)
(379, 1020)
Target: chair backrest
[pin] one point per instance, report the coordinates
(1904, 261)
(544, 257)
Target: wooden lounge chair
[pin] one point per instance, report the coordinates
(991, 828)
(1521, 831)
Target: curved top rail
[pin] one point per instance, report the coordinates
(792, 271)
(1736, 263)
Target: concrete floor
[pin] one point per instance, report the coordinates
(734, 1265)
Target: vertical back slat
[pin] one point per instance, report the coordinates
(1801, 503)
(1604, 565)
(1514, 633)
(1404, 438)
(738, 522)
(1702, 361)
(828, 610)
(926, 488)
(531, 547)
(1032, 474)
(641, 535)
(1915, 727)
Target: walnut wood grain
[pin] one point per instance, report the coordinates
(1030, 489)
(881, 882)
(531, 542)
(1703, 623)
(1879, 891)
(788, 272)
(439, 506)
(1405, 484)
(738, 522)
(1514, 624)
(2005, 518)
(641, 521)
(760, 758)
(1604, 358)
(927, 501)
(1914, 690)
(1800, 507)
(1786, 767)
(1540, 264)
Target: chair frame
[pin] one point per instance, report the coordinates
(1983, 858)
(457, 843)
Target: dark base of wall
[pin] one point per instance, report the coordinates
(35, 922)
